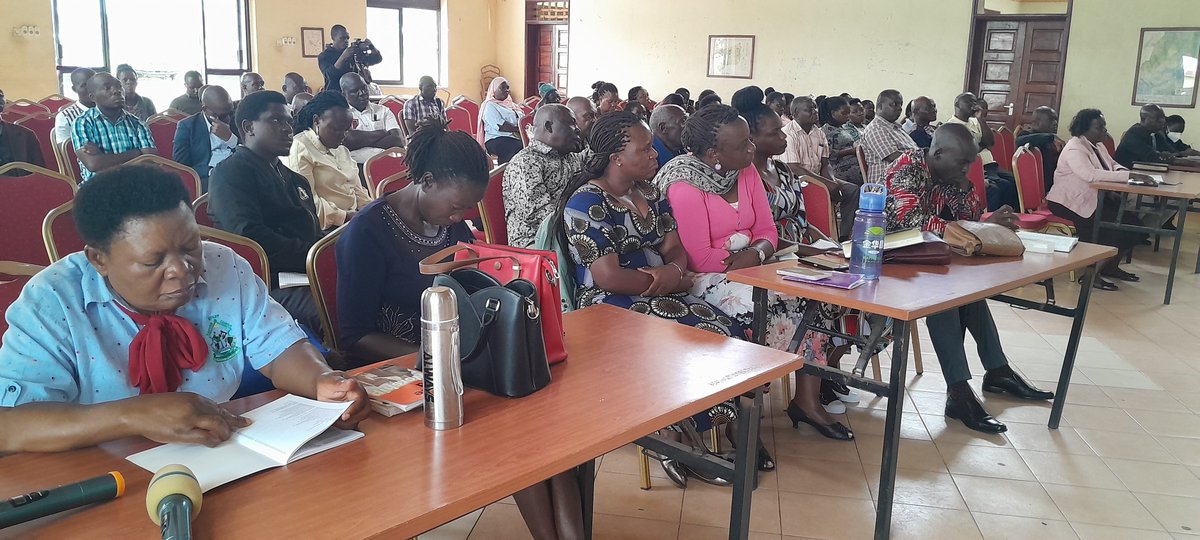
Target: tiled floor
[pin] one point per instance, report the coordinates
(1124, 465)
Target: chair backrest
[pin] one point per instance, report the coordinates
(42, 126)
(1041, 166)
(59, 233)
(68, 162)
(162, 129)
(24, 202)
(460, 120)
(322, 277)
(975, 175)
(818, 208)
(491, 208)
(1030, 190)
(472, 108)
(187, 176)
(395, 182)
(200, 209)
(13, 277)
(55, 102)
(394, 104)
(24, 107)
(532, 101)
(385, 164)
(12, 116)
(526, 109)
(1110, 145)
(1004, 148)
(174, 114)
(523, 125)
(245, 248)
(861, 156)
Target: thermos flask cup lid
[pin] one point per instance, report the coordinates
(443, 307)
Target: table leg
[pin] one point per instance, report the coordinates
(1181, 215)
(891, 430)
(1068, 367)
(587, 494)
(1098, 213)
(745, 465)
(758, 328)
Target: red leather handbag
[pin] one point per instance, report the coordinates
(506, 264)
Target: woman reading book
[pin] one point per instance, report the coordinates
(380, 285)
(146, 330)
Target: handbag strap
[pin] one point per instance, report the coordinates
(432, 265)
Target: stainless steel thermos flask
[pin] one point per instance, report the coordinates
(440, 354)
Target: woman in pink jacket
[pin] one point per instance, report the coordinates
(1084, 160)
(725, 223)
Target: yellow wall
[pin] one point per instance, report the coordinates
(800, 52)
(508, 26)
(27, 65)
(273, 19)
(469, 44)
(1102, 53)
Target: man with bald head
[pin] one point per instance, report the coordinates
(884, 140)
(971, 112)
(537, 175)
(374, 127)
(1146, 140)
(666, 124)
(106, 136)
(206, 138)
(585, 115)
(924, 116)
(927, 189)
(66, 117)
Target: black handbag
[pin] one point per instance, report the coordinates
(500, 333)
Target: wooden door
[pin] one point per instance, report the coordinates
(561, 42)
(545, 54)
(1018, 66)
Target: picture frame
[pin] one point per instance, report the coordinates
(731, 56)
(312, 41)
(1166, 73)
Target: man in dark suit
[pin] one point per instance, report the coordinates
(206, 138)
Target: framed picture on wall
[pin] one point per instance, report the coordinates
(1166, 67)
(312, 41)
(731, 56)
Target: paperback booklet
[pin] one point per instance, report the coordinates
(830, 278)
(1054, 242)
(288, 429)
(393, 389)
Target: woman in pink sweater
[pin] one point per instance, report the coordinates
(725, 223)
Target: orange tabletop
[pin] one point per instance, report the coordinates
(626, 375)
(1188, 186)
(909, 292)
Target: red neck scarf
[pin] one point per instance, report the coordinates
(165, 345)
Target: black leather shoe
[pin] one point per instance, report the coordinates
(972, 415)
(1011, 383)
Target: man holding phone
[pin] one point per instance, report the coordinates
(206, 138)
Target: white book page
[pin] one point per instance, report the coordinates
(212, 466)
(331, 438)
(824, 244)
(282, 426)
(292, 279)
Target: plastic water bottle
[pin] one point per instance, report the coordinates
(866, 249)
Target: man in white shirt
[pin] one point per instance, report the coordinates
(375, 128)
(64, 121)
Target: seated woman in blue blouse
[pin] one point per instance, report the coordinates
(146, 330)
(379, 284)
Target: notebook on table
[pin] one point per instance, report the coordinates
(826, 278)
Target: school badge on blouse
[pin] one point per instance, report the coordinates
(303, 194)
(220, 339)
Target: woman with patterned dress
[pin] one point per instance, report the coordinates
(726, 223)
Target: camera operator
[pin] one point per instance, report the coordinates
(343, 56)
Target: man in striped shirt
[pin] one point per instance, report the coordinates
(884, 140)
(106, 136)
(424, 105)
(66, 117)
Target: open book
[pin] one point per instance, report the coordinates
(893, 240)
(288, 429)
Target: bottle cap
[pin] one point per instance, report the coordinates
(438, 305)
(872, 197)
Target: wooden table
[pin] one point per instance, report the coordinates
(1179, 196)
(627, 375)
(909, 292)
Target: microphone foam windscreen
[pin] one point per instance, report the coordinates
(171, 480)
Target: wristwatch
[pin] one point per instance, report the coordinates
(762, 255)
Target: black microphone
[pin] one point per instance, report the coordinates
(37, 504)
(173, 501)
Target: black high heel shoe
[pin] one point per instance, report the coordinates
(833, 431)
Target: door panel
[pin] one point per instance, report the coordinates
(1018, 62)
(562, 39)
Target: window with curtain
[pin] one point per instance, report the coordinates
(408, 35)
(162, 40)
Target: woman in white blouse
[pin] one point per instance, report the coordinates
(318, 155)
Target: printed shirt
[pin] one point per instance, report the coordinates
(418, 109)
(533, 182)
(846, 167)
(914, 200)
(805, 148)
(880, 140)
(374, 118)
(127, 133)
(68, 341)
(64, 121)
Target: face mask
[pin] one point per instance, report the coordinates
(1174, 136)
